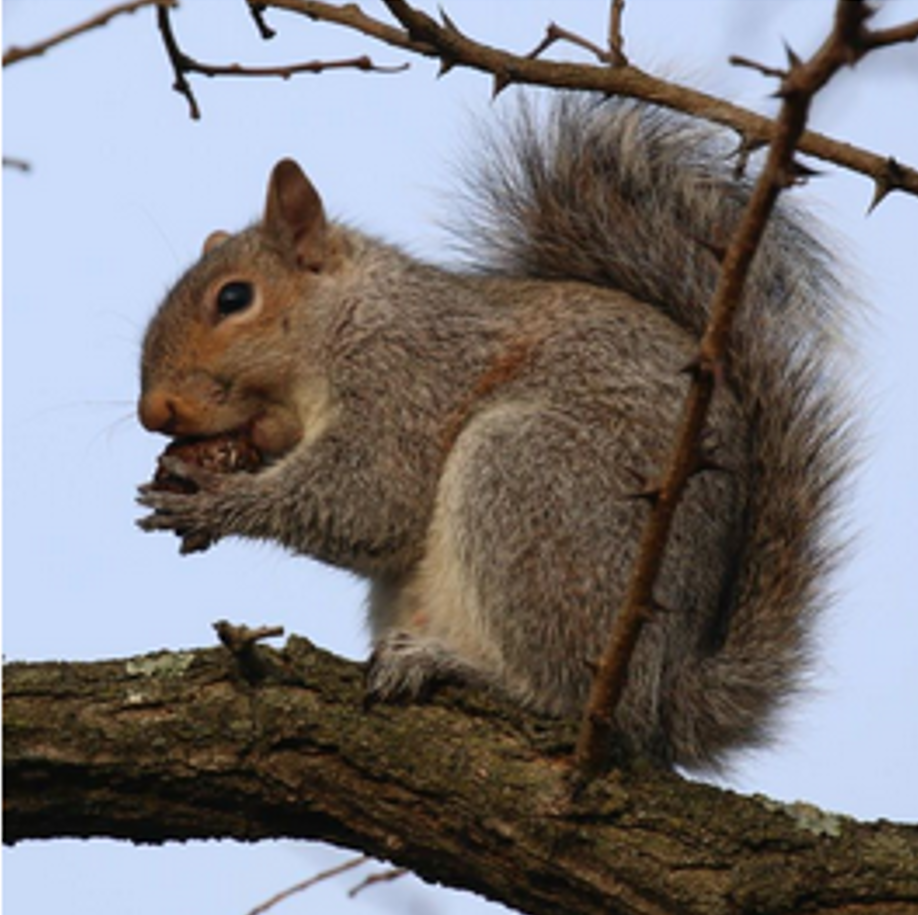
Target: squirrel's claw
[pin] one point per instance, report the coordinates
(407, 667)
(180, 513)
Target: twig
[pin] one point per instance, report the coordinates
(386, 876)
(616, 35)
(285, 71)
(19, 165)
(897, 34)
(738, 60)
(352, 17)
(423, 35)
(177, 60)
(183, 64)
(15, 54)
(555, 32)
(239, 639)
(348, 865)
(847, 42)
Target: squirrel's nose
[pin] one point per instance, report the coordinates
(159, 411)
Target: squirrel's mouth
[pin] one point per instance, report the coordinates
(250, 448)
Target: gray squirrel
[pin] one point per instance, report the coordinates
(471, 441)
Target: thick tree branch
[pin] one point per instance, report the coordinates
(463, 791)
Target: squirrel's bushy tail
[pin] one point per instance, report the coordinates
(628, 196)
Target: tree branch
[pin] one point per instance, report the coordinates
(423, 35)
(848, 41)
(183, 64)
(616, 35)
(15, 54)
(464, 791)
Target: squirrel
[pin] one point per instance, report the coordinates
(472, 440)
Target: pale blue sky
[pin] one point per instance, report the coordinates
(124, 190)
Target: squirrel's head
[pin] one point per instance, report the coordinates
(228, 350)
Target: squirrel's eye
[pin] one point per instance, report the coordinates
(234, 297)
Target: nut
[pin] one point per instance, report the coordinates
(228, 453)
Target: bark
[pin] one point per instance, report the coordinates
(463, 790)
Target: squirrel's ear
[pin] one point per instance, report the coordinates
(214, 239)
(294, 214)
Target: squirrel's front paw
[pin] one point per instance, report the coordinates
(192, 512)
(404, 666)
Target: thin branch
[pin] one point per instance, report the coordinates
(738, 60)
(386, 876)
(241, 638)
(19, 165)
(183, 64)
(241, 642)
(555, 32)
(899, 34)
(423, 35)
(352, 17)
(348, 865)
(285, 71)
(798, 88)
(177, 60)
(15, 54)
(616, 35)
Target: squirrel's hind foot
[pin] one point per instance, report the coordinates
(407, 667)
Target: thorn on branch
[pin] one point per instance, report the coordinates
(850, 26)
(890, 179)
(448, 23)
(502, 79)
(799, 173)
(793, 59)
(258, 16)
